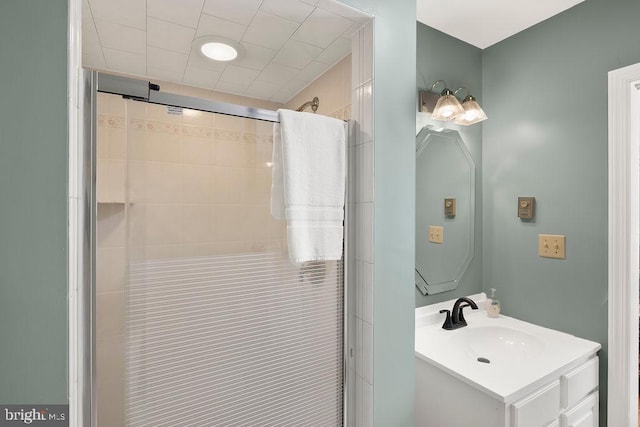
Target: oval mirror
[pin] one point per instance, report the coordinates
(445, 209)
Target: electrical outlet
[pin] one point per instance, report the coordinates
(436, 234)
(551, 246)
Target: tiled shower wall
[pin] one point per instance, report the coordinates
(360, 257)
(334, 90)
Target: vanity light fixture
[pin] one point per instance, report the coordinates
(218, 48)
(445, 106)
(473, 113)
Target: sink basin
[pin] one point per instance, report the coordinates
(497, 343)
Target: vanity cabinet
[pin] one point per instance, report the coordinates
(566, 399)
(502, 372)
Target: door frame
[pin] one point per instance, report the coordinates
(624, 241)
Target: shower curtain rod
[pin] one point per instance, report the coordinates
(142, 90)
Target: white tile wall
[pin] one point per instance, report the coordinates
(362, 209)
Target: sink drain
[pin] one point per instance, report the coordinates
(483, 360)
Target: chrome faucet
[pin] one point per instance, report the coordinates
(455, 319)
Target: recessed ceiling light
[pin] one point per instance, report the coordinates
(219, 48)
(219, 51)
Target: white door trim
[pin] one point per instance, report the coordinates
(75, 231)
(624, 241)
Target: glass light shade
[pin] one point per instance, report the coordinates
(219, 51)
(447, 108)
(218, 48)
(472, 112)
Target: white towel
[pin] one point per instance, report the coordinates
(308, 183)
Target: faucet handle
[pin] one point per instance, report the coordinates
(448, 324)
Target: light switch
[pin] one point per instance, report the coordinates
(436, 234)
(551, 245)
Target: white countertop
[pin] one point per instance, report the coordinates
(509, 376)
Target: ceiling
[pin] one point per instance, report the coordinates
(289, 43)
(486, 22)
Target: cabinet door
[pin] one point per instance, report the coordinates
(584, 414)
(538, 409)
(579, 383)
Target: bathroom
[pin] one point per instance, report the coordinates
(545, 91)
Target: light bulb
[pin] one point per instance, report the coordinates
(219, 51)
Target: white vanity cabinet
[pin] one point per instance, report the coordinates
(569, 399)
(502, 372)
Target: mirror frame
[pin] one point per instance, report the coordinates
(422, 140)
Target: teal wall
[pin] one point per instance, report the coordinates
(394, 148)
(545, 92)
(33, 213)
(442, 57)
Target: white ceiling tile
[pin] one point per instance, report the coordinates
(231, 87)
(240, 11)
(292, 10)
(87, 17)
(263, 90)
(213, 26)
(296, 55)
(288, 91)
(183, 12)
(125, 62)
(351, 30)
(170, 36)
(92, 50)
(311, 2)
(93, 59)
(278, 74)
(257, 57)
(269, 30)
(322, 28)
(131, 13)
(201, 77)
(239, 75)
(313, 71)
(121, 37)
(164, 74)
(336, 51)
(199, 61)
(162, 59)
(343, 10)
(90, 37)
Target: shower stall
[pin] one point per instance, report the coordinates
(200, 318)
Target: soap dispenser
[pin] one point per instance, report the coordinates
(493, 305)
